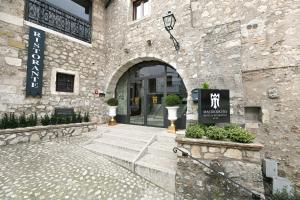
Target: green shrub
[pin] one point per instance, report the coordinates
(68, 119)
(227, 127)
(5, 121)
(172, 100)
(46, 120)
(32, 120)
(53, 119)
(112, 102)
(194, 131)
(216, 133)
(12, 121)
(205, 85)
(74, 118)
(79, 118)
(86, 117)
(241, 135)
(284, 195)
(22, 120)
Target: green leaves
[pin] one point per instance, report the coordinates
(172, 100)
(229, 132)
(194, 131)
(12, 121)
(112, 102)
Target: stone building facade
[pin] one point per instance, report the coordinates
(249, 47)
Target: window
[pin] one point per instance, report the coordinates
(169, 81)
(141, 8)
(70, 17)
(64, 82)
(79, 8)
(152, 85)
(253, 114)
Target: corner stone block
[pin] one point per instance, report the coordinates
(34, 138)
(196, 152)
(233, 153)
(16, 44)
(255, 155)
(13, 61)
(214, 150)
(2, 143)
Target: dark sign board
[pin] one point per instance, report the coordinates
(214, 106)
(64, 111)
(35, 62)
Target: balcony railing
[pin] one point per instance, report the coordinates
(50, 16)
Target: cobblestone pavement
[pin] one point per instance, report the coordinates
(61, 169)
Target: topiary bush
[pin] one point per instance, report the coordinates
(112, 102)
(205, 85)
(194, 131)
(172, 100)
(216, 133)
(241, 135)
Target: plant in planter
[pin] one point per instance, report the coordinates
(172, 104)
(112, 112)
(205, 85)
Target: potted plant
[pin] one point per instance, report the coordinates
(172, 104)
(112, 112)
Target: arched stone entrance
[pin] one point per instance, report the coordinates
(141, 90)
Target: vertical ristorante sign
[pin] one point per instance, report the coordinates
(35, 62)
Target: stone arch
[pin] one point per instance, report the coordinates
(114, 78)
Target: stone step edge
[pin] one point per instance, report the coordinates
(156, 168)
(143, 151)
(109, 134)
(109, 155)
(120, 146)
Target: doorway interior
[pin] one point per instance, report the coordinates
(141, 92)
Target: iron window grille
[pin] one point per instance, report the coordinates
(65, 82)
(47, 15)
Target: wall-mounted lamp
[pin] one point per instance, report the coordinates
(169, 22)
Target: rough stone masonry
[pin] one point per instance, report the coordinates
(251, 47)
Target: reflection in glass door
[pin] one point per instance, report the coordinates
(136, 102)
(154, 108)
(141, 91)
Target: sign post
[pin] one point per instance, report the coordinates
(35, 62)
(213, 106)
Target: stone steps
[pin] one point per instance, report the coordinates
(133, 148)
(123, 158)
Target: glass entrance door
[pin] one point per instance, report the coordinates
(141, 92)
(136, 102)
(155, 92)
(146, 101)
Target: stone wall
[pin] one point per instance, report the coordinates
(276, 91)
(212, 54)
(232, 45)
(241, 162)
(62, 54)
(44, 133)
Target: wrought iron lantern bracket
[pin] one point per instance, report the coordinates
(169, 22)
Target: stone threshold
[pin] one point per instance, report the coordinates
(41, 128)
(215, 143)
